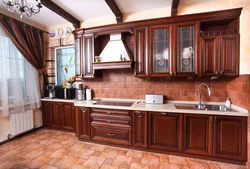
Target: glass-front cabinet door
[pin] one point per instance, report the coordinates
(160, 50)
(186, 48)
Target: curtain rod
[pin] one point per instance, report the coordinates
(25, 23)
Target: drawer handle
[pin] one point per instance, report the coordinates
(138, 112)
(109, 121)
(109, 112)
(109, 134)
(164, 114)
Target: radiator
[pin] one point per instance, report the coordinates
(21, 122)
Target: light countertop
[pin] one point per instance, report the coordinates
(140, 105)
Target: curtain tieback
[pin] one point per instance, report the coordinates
(42, 70)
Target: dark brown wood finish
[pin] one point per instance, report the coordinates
(174, 7)
(141, 51)
(209, 63)
(88, 54)
(68, 116)
(151, 50)
(196, 50)
(61, 12)
(46, 113)
(55, 110)
(115, 9)
(140, 129)
(82, 123)
(165, 131)
(198, 137)
(78, 52)
(230, 137)
(229, 53)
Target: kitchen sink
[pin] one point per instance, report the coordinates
(204, 107)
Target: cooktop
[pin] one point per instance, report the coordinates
(110, 103)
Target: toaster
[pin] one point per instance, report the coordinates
(154, 98)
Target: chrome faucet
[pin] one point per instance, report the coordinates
(199, 93)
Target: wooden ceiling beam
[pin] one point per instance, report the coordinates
(61, 12)
(174, 7)
(114, 8)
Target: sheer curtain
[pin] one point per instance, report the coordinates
(19, 84)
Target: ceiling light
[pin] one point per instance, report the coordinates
(22, 7)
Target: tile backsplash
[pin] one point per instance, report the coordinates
(123, 84)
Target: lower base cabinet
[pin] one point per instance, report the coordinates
(59, 115)
(222, 138)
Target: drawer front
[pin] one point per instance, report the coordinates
(111, 112)
(111, 135)
(111, 121)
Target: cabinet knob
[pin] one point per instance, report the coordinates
(109, 121)
(109, 134)
(217, 73)
(164, 114)
(221, 73)
(138, 112)
(109, 112)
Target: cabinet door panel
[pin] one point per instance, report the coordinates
(46, 113)
(141, 51)
(186, 43)
(230, 137)
(229, 55)
(68, 116)
(198, 134)
(140, 129)
(82, 123)
(165, 131)
(160, 50)
(55, 115)
(209, 64)
(88, 55)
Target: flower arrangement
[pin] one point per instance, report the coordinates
(71, 80)
(97, 59)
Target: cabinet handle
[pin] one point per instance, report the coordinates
(217, 73)
(164, 114)
(109, 121)
(174, 74)
(215, 119)
(109, 134)
(109, 112)
(138, 112)
(221, 73)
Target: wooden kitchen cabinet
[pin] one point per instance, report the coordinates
(140, 129)
(58, 115)
(68, 116)
(219, 55)
(46, 113)
(160, 50)
(165, 131)
(55, 111)
(198, 135)
(230, 137)
(82, 123)
(88, 54)
(185, 49)
(141, 52)
(78, 54)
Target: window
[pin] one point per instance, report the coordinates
(19, 85)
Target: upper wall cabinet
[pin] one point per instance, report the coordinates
(204, 44)
(219, 48)
(160, 50)
(186, 46)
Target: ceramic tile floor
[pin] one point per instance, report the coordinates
(50, 149)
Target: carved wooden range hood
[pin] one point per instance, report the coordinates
(115, 55)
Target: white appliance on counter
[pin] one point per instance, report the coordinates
(154, 98)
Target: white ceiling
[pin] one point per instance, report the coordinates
(88, 9)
